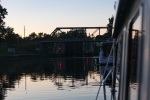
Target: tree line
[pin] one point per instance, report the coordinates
(8, 36)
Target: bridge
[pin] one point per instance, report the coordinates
(59, 29)
(55, 45)
(71, 46)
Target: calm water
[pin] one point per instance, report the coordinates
(51, 79)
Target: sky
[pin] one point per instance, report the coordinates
(45, 15)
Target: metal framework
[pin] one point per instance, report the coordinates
(77, 28)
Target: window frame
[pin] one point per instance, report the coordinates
(139, 13)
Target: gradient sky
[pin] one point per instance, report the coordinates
(46, 15)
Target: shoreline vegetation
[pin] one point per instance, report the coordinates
(13, 45)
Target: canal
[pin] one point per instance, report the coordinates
(51, 79)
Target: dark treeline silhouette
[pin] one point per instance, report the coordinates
(8, 36)
(3, 13)
(13, 43)
(108, 33)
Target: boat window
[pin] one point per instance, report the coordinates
(133, 58)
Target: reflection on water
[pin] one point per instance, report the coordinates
(50, 79)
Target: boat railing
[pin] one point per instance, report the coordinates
(103, 80)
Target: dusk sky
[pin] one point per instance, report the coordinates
(46, 15)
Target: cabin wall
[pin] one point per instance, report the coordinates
(141, 8)
(145, 56)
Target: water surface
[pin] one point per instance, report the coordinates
(51, 79)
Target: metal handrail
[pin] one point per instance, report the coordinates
(105, 72)
(110, 72)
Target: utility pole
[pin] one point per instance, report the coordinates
(24, 31)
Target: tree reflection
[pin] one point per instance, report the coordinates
(68, 72)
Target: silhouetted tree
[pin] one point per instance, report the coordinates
(10, 36)
(110, 25)
(47, 37)
(40, 35)
(76, 34)
(33, 35)
(3, 13)
(108, 34)
(99, 37)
